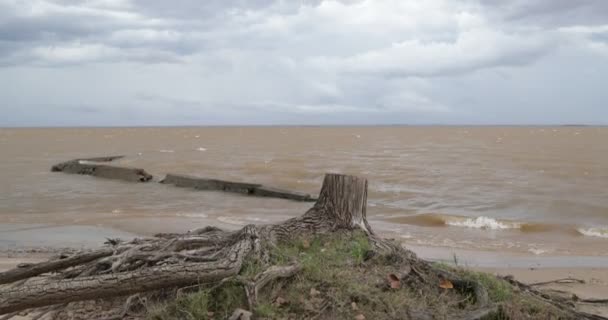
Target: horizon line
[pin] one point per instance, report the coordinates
(300, 125)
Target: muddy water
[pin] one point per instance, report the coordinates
(538, 190)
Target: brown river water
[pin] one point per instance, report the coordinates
(539, 191)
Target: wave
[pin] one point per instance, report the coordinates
(165, 151)
(241, 221)
(487, 223)
(191, 215)
(201, 149)
(483, 223)
(537, 251)
(594, 232)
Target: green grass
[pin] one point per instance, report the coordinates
(221, 302)
(337, 283)
(498, 290)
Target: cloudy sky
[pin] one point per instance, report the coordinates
(213, 62)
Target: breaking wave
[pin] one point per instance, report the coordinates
(437, 220)
(487, 223)
(483, 223)
(241, 221)
(594, 232)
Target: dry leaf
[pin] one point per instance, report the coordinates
(393, 281)
(354, 306)
(305, 244)
(446, 284)
(359, 317)
(280, 301)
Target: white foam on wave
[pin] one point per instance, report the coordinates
(201, 149)
(241, 221)
(191, 215)
(166, 151)
(594, 232)
(482, 223)
(537, 251)
(231, 220)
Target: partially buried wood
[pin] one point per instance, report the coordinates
(254, 189)
(96, 169)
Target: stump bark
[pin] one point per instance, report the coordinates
(207, 255)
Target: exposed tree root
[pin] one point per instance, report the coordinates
(564, 304)
(558, 281)
(252, 288)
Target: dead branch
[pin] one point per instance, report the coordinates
(558, 281)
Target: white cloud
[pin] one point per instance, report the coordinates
(363, 60)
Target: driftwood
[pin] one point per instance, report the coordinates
(558, 281)
(211, 256)
(254, 189)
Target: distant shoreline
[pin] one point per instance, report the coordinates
(317, 126)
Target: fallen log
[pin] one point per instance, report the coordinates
(185, 181)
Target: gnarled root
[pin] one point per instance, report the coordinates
(253, 287)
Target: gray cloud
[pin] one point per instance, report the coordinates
(551, 13)
(138, 62)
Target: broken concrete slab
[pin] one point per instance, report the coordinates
(92, 168)
(185, 181)
(96, 167)
(264, 191)
(254, 189)
(102, 159)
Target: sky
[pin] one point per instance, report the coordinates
(309, 62)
